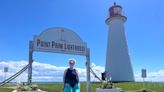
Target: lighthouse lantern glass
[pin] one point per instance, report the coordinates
(117, 10)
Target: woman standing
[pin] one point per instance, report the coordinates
(71, 78)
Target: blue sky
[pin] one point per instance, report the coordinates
(20, 20)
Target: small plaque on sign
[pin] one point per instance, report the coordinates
(5, 69)
(143, 73)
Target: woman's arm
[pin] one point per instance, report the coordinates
(77, 75)
(64, 76)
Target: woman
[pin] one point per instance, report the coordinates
(71, 78)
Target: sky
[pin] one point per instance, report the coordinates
(20, 20)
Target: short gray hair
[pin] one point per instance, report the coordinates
(72, 60)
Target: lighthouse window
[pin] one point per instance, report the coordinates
(117, 10)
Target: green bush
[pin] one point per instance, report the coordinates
(24, 88)
(28, 88)
(34, 87)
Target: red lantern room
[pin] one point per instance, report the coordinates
(115, 10)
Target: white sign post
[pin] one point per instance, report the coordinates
(143, 75)
(59, 40)
(5, 71)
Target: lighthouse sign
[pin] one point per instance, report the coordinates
(59, 40)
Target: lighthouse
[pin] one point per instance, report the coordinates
(118, 66)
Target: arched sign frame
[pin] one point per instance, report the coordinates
(59, 40)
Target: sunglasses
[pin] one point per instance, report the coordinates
(71, 63)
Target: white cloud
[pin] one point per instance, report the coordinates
(42, 71)
(46, 72)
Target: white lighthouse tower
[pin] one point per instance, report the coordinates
(118, 65)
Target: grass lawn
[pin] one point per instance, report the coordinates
(5, 90)
(57, 87)
(157, 87)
